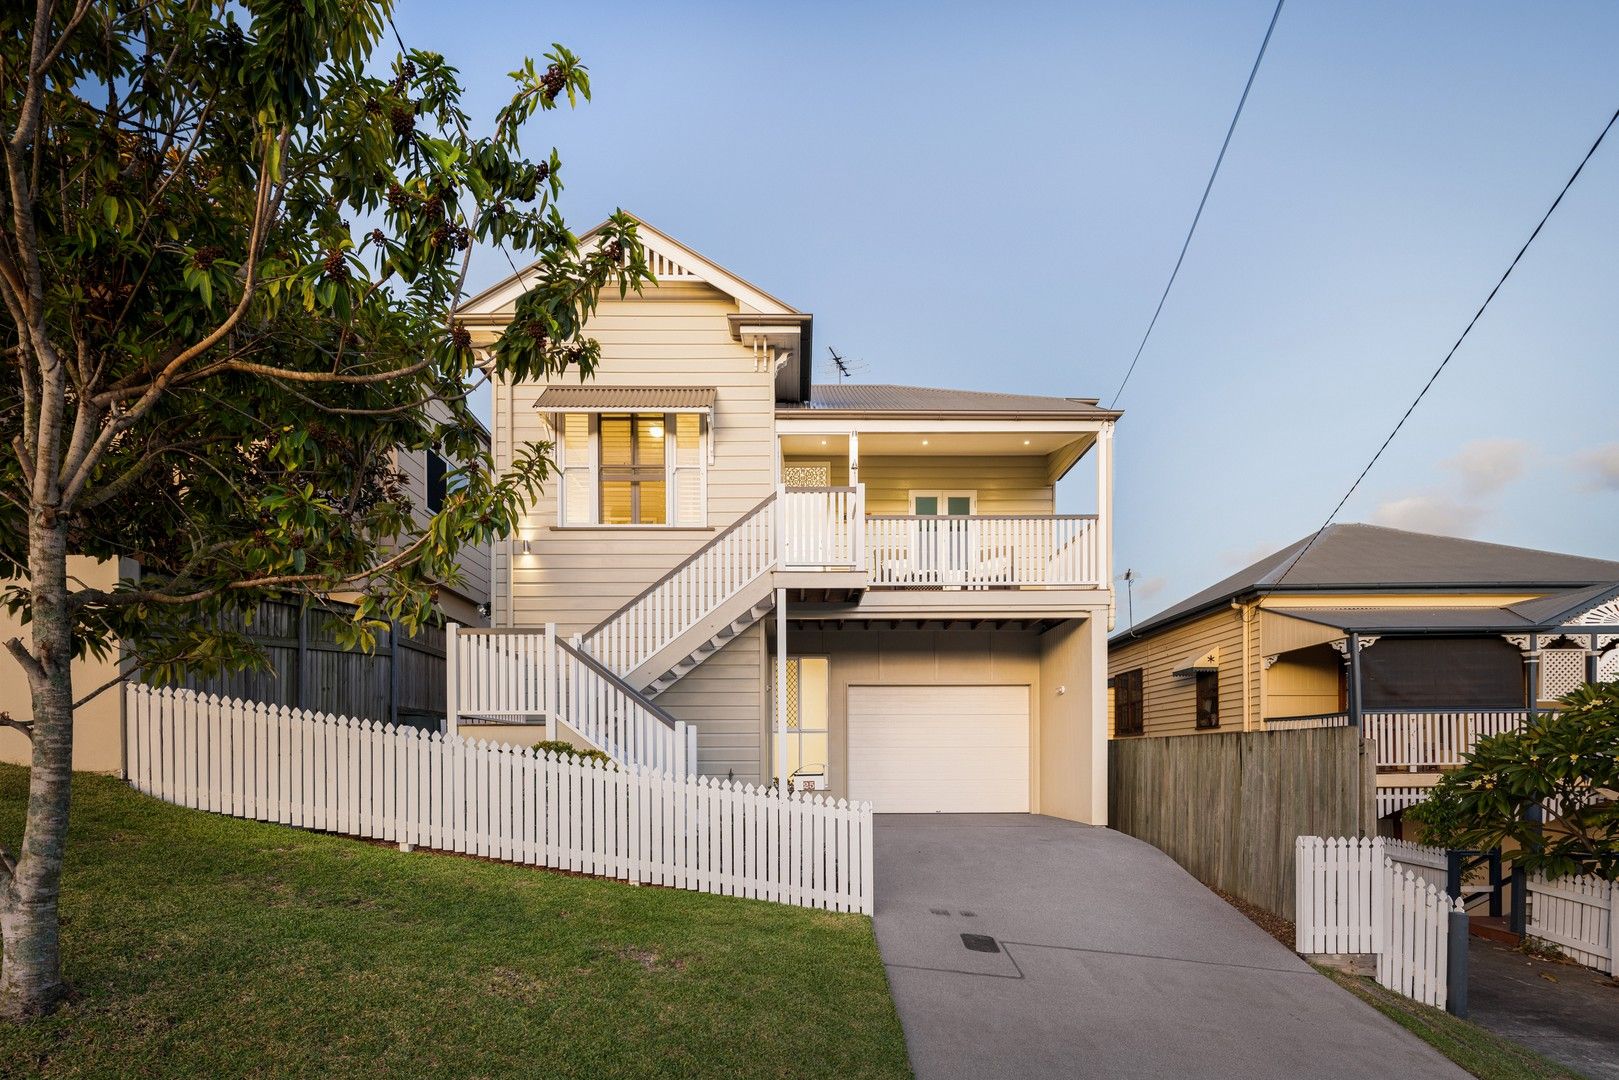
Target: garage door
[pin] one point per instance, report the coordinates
(940, 749)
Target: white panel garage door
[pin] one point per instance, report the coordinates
(940, 749)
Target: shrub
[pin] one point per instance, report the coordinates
(562, 748)
(1567, 763)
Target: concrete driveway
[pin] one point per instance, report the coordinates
(1095, 955)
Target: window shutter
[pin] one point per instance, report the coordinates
(577, 489)
(686, 470)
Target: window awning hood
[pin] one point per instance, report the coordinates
(603, 399)
(1205, 661)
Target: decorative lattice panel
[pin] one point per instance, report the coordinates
(792, 694)
(1561, 671)
(1608, 665)
(807, 476)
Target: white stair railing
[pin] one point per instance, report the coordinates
(499, 674)
(686, 595)
(616, 719)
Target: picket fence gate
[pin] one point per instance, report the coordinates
(1580, 915)
(1359, 896)
(360, 778)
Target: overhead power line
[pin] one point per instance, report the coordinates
(1200, 204)
(1541, 224)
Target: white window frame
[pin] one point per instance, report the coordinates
(943, 496)
(592, 467)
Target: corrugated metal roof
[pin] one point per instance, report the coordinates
(1371, 557)
(884, 397)
(625, 398)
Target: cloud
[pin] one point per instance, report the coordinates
(1147, 588)
(1480, 471)
(1485, 466)
(1433, 513)
(1599, 468)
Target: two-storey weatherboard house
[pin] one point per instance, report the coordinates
(863, 589)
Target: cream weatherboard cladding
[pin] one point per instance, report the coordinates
(672, 336)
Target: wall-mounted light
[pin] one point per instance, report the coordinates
(1025, 442)
(527, 549)
(924, 442)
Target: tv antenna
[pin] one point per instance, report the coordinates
(844, 367)
(1129, 577)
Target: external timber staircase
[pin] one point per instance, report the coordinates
(602, 685)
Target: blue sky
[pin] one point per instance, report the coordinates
(991, 197)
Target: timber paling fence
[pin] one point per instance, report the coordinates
(1229, 807)
(400, 784)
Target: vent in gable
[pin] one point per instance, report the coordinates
(666, 269)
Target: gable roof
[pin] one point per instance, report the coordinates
(887, 397)
(1372, 557)
(670, 261)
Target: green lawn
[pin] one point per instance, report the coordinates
(202, 945)
(1483, 1053)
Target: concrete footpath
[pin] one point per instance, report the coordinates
(1024, 946)
(1566, 1012)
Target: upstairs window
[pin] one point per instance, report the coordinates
(631, 469)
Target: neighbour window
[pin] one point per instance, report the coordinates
(631, 469)
(1128, 714)
(1208, 699)
(437, 470)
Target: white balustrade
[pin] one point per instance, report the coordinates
(985, 551)
(823, 528)
(1435, 739)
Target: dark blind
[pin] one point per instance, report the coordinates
(1442, 673)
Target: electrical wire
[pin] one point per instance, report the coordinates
(1468, 329)
(1277, 14)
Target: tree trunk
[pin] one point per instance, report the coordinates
(30, 966)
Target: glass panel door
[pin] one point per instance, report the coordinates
(808, 712)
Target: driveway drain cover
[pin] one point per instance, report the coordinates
(980, 943)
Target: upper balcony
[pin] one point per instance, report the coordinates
(828, 528)
(946, 502)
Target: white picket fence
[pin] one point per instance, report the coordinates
(1354, 898)
(1580, 915)
(360, 778)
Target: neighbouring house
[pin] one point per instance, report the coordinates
(404, 679)
(864, 590)
(1425, 641)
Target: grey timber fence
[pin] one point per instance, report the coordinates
(1230, 807)
(400, 682)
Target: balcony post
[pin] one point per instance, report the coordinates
(781, 691)
(1104, 517)
(1357, 709)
